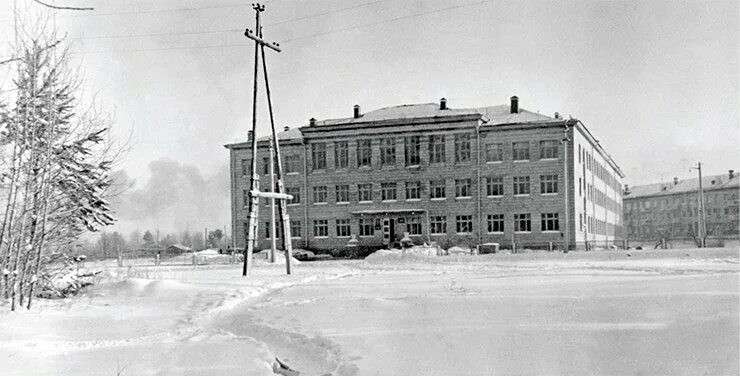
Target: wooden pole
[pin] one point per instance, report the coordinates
(273, 244)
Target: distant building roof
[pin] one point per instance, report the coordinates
(180, 247)
(683, 186)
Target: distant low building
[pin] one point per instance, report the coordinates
(671, 210)
(176, 249)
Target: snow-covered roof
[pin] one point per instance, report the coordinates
(683, 186)
(494, 115)
(180, 247)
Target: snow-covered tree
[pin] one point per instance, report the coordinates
(56, 166)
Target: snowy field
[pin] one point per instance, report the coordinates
(599, 313)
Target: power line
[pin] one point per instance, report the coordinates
(297, 38)
(228, 30)
(385, 21)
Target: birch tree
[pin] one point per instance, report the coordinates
(57, 157)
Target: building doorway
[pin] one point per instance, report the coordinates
(389, 231)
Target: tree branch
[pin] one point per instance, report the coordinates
(60, 7)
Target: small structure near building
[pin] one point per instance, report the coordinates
(177, 249)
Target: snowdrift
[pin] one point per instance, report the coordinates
(417, 254)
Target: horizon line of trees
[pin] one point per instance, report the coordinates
(109, 244)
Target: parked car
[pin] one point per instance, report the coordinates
(303, 255)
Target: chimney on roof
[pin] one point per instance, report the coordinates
(515, 105)
(626, 188)
(312, 122)
(443, 104)
(675, 181)
(287, 128)
(249, 135)
(732, 174)
(557, 115)
(357, 111)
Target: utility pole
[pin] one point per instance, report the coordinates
(254, 192)
(273, 247)
(702, 230)
(566, 187)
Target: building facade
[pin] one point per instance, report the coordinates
(452, 176)
(671, 211)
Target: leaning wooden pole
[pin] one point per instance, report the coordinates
(254, 183)
(282, 204)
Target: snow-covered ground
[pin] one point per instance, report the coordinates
(605, 313)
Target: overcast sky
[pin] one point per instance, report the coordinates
(655, 81)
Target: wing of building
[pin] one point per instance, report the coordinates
(455, 176)
(671, 211)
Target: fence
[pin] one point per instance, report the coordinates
(126, 259)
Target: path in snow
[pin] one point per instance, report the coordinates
(585, 315)
(162, 324)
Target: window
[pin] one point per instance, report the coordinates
(412, 150)
(522, 222)
(365, 192)
(295, 229)
(366, 227)
(268, 233)
(464, 224)
(388, 191)
(494, 152)
(521, 151)
(245, 167)
(292, 164)
(364, 153)
(548, 149)
(342, 193)
(550, 222)
(296, 193)
(462, 188)
(495, 223)
(341, 154)
(320, 228)
(548, 184)
(495, 186)
(245, 197)
(387, 152)
(343, 227)
(521, 185)
(438, 224)
(265, 165)
(462, 148)
(318, 156)
(580, 190)
(437, 189)
(413, 225)
(436, 149)
(319, 194)
(413, 190)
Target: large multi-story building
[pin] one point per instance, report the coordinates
(671, 211)
(452, 176)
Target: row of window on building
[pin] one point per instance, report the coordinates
(521, 185)
(671, 203)
(598, 169)
(366, 227)
(494, 152)
(596, 226)
(598, 197)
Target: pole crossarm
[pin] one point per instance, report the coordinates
(278, 196)
(272, 45)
